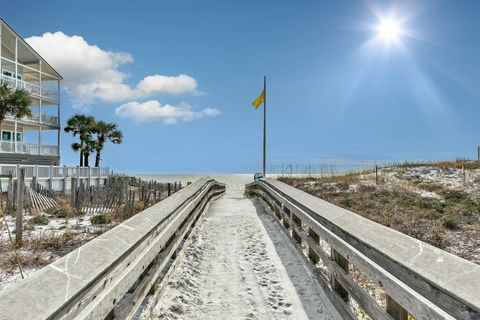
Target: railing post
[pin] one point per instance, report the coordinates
(50, 176)
(315, 238)
(36, 171)
(285, 222)
(298, 223)
(17, 171)
(342, 262)
(396, 310)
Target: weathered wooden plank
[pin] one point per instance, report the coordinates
(418, 305)
(338, 303)
(116, 260)
(423, 267)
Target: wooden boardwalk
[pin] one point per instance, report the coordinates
(240, 265)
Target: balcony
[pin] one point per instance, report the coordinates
(33, 89)
(38, 118)
(28, 148)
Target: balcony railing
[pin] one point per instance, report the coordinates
(28, 148)
(38, 118)
(31, 88)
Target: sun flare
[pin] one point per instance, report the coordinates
(389, 29)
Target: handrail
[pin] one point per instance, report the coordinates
(110, 275)
(36, 117)
(30, 87)
(418, 279)
(28, 148)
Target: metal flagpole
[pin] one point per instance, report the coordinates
(264, 124)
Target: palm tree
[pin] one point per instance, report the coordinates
(15, 102)
(90, 146)
(82, 126)
(105, 131)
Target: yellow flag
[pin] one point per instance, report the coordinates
(259, 100)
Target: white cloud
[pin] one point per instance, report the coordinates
(152, 110)
(92, 74)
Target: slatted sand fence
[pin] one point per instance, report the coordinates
(40, 197)
(40, 201)
(133, 194)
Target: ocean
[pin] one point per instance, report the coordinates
(234, 181)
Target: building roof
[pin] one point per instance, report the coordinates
(29, 47)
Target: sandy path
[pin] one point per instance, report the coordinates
(241, 266)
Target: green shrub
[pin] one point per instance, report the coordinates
(454, 196)
(347, 202)
(56, 212)
(440, 208)
(449, 222)
(39, 220)
(98, 219)
(427, 203)
(366, 188)
(430, 186)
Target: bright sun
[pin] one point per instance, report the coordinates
(389, 30)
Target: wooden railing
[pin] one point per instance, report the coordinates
(108, 277)
(417, 280)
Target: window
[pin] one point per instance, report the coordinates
(7, 73)
(6, 135)
(10, 74)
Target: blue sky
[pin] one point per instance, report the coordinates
(335, 90)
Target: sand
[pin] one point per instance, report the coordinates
(240, 265)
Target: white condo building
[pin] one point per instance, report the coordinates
(34, 140)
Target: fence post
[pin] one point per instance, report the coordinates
(89, 175)
(78, 175)
(342, 262)
(73, 191)
(169, 189)
(99, 176)
(10, 192)
(19, 218)
(64, 187)
(18, 171)
(36, 171)
(50, 177)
